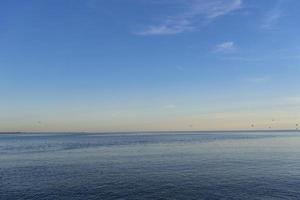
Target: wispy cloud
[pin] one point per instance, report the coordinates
(204, 10)
(273, 16)
(225, 47)
(168, 27)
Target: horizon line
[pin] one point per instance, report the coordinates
(162, 131)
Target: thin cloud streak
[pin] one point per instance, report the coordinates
(169, 27)
(197, 10)
(273, 16)
(225, 47)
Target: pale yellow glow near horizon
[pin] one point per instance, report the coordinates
(262, 120)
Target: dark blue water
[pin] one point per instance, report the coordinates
(150, 166)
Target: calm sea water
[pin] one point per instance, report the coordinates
(257, 165)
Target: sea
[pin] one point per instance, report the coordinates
(161, 165)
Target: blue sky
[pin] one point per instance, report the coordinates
(137, 65)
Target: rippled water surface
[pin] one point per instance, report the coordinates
(256, 165)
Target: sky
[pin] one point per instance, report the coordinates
(149, 65)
